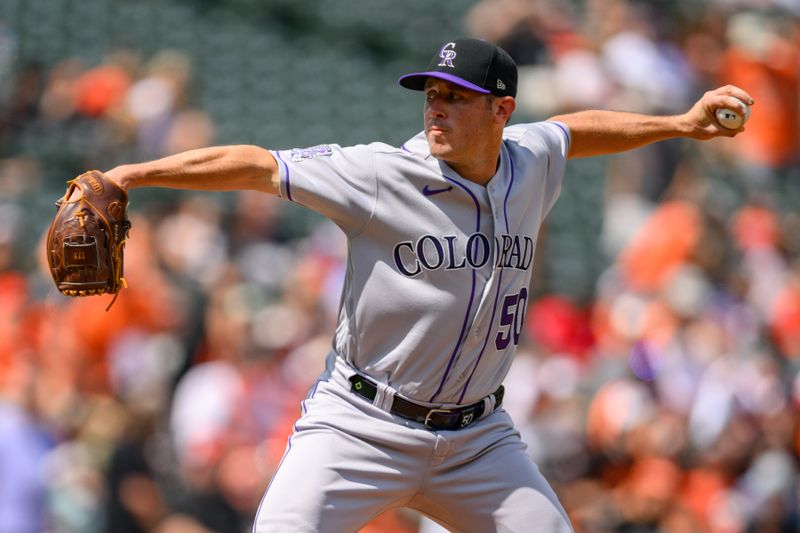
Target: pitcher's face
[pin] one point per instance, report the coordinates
(457, 120)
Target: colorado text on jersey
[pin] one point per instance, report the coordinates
(432, 253)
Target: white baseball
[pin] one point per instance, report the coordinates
(732, 119)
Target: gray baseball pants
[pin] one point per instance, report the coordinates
(348, 461)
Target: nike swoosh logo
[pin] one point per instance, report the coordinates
(427, 191)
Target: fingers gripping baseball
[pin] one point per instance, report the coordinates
(722, 112)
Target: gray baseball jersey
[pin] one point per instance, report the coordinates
(438, 266)
(432, 309)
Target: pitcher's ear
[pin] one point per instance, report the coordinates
(505, 107)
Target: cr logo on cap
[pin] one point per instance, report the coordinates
(448, 54)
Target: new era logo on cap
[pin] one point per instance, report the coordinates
(472, 63)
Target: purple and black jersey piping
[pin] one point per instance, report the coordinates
(471, 294)
(565, 129)
(499, 284)
(286, 178)
(303, 411)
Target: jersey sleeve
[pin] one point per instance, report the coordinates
(555, 138)
(339, 183)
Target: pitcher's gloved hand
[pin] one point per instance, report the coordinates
(87, 235)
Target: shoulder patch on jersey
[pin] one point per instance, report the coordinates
(299, 154)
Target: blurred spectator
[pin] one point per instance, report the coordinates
(21, 105)
(99, 90)
(764, 55)
(154, 100)
(24, 445)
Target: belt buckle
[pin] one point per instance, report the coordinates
(433, 412)
(458, 418)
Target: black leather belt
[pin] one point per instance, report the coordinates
(436, 419)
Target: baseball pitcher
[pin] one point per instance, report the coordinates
(441, 239)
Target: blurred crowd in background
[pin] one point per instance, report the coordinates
(657, 385)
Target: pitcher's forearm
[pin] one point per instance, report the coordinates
(601, 132)
(219, 168)
(608, 132)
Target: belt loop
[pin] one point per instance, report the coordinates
(489, 404)
(384, 397)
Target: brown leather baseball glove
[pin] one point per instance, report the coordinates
(87, 235)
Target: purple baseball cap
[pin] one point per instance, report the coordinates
(472, 63)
